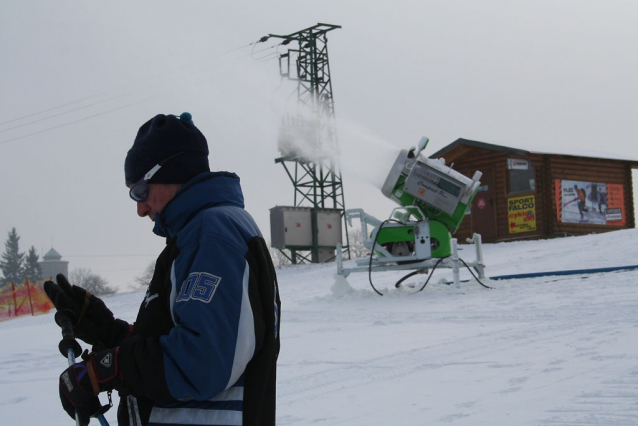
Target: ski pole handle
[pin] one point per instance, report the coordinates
(68, 342)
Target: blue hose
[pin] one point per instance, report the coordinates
(569, 272)
(558, 273)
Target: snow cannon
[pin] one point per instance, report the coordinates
(440, 192)
(433, 199)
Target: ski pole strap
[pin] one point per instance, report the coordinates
(92, 375)
(85, 306)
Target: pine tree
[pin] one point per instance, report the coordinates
(32, 269)
(12, 263)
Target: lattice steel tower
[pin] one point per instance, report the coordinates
(308, 139)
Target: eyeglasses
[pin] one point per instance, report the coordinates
(139, 191)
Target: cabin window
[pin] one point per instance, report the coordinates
(520, 176)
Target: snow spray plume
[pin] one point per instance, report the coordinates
(364, 155)
(359, 153)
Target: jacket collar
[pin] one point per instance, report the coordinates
(203, 191)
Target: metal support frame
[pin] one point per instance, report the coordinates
(453, 262)
(315, 172)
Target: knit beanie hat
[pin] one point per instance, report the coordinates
(160, 138)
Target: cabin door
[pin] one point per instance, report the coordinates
(483, 207)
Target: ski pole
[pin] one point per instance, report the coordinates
(70, 348)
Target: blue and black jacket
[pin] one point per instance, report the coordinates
(205, 343)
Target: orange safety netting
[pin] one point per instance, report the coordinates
(24, 299)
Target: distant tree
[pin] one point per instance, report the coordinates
(278, 258)
(32, 269)
(143, 280)
(357, 249)
(83, 277)
(12, 263)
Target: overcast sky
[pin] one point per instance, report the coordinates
(79, 78)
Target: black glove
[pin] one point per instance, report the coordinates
(82, 382)
(92, 321)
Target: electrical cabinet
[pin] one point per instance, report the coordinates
(329, 227)
(293, 227)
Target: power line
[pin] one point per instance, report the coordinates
(72, 122)
(56, 107)
(263, 39)
(65, 112)
(102, 93)
(229, 51)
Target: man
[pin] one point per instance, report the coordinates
(582, 199)
(204, 346)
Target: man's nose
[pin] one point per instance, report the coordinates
(142, 209)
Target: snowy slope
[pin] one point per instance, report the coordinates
(543, 351)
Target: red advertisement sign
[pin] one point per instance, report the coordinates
(590, 202)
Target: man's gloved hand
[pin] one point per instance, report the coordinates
(92, 321)
(82, 382)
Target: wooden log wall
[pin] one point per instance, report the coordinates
(466, 161)
(547, 168)
(591, 170)
(486, 161)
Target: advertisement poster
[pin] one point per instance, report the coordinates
(522, 214)
(589, 202)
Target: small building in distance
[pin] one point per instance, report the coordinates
(533, 193)
(52, 264)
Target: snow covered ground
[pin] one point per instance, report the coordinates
(554, 350)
